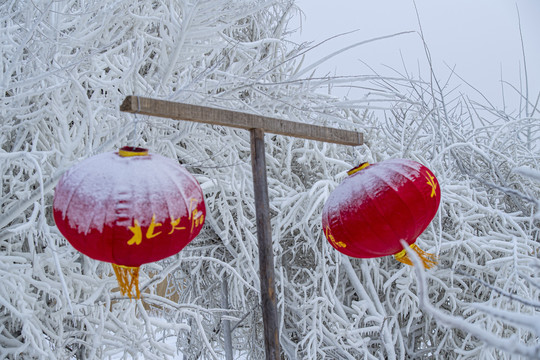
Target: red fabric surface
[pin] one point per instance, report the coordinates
(128, 210)
(373, 209)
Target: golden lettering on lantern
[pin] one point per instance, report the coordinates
(150, 233)
(330, 237)
(431, 182)
(174, 225)
(195, 216)
(137, 232)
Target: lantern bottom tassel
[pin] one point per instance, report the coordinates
(128, 280)
(429, 260)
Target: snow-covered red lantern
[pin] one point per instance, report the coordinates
(378, 206)
(128, 208)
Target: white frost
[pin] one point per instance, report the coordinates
(528, 172)
(110, 189)
(67, 65)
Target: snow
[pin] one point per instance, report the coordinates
(528, 172)
(111, 189)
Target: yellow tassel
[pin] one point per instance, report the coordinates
(128, 280)
(429, 260)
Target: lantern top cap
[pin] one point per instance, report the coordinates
(128, 151)
(354, 170)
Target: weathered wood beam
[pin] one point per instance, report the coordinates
(266, 253)
(207, 115)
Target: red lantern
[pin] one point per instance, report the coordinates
(128, 208)
(379, 205)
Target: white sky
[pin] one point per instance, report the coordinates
(479, 37)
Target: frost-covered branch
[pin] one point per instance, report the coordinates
(511, 345)
(67, 66)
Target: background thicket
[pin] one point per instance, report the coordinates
(65, 67)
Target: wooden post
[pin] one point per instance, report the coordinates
(257, 125)
(266, 254)
(227, 336)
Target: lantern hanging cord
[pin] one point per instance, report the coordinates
(135, 122)
(429, 260)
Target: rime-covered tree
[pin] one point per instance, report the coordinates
(67, 65)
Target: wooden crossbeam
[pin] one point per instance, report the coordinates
(214, 116)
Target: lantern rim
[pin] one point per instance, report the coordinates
(128, 151)
(356, 169)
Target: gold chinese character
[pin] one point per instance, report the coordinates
(150, 233)
(137, 234)
(174, 225)
(196, 216)
(431, 182)
(332, 239)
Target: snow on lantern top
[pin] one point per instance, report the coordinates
(129, 207)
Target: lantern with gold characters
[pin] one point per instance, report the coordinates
(378, 206)
(128, 208)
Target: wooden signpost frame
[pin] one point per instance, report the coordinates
(257, 125)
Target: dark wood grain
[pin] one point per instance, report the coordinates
(179, 111)
(266, 254)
